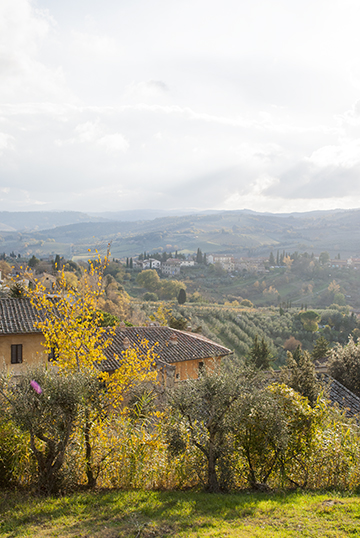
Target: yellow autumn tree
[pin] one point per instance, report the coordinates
(70, 321)
(288, 262)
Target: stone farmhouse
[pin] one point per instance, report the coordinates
(171, 266)
(20, 340)
(180, 355)
(226, 262)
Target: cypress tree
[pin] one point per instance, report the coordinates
(260, 354)
(182, 296)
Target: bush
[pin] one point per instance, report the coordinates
(150, 296)
(13, 454)
(45, 405)
(344, 365)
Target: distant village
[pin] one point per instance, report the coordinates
(173, 266)
(168, 264)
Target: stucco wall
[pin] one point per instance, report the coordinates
(32, 352)
(190, 369)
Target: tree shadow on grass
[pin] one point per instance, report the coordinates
(138, 514)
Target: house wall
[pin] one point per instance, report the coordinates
(190, 369)
(32, 352)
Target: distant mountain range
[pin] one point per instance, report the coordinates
(240, 232)
(29, 221)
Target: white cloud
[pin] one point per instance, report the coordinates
(6, 142)
(23, 31)
(95, 134)
(114, 143)
(345, 154)
(150, 88)
(87, 132)
(92, 46)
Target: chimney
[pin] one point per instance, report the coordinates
(173, 340)
(126, 343)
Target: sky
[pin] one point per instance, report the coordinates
(110, 105)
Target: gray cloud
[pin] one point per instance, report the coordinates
(194, 104)
(307, 181)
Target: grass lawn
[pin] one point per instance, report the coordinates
(140, 514)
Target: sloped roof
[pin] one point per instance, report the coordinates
(170, 345)
(17, 316)
(340, 395)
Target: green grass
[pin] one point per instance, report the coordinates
(161, 514)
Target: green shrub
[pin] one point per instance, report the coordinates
(14, 462)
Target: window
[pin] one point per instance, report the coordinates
(201, 367)
(53, 355)
(16, 353)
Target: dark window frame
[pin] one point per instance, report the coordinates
(16, 353)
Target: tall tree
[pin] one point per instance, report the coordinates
(299, 374)
(321, 349)
(71, 324)
(260, 355)
(33, 262)
(149, 279)
(182, 296)
(58, 263)
(310, 320)
(324, 258)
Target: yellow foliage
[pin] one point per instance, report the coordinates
(161, 315)
(288, 262)
(71, 325)
(70, 320)
(71, 279)
(333, 287)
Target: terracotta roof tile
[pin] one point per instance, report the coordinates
(17, 316)
(185, 346)
(346, 400)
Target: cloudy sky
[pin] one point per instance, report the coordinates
(179, 104)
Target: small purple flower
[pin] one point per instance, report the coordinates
(36, 386)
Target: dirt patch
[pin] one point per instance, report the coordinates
(331, 502)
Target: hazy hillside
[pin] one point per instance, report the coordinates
(232, 232)
(41, 220)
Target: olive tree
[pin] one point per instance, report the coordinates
(344, 365)
(205, 406)
(274, 430)
(45, 405)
